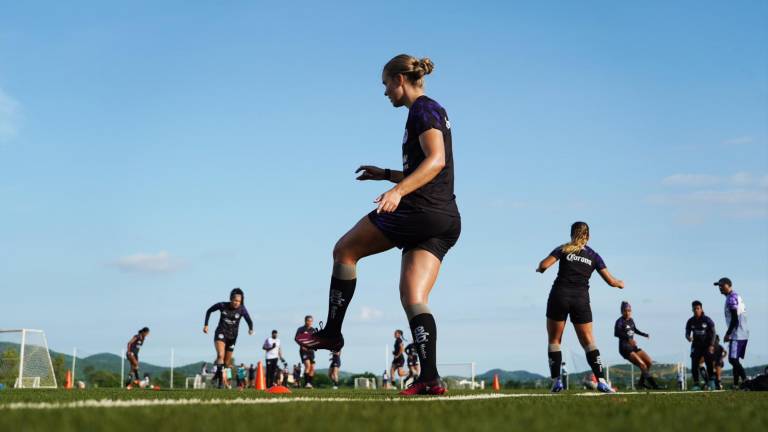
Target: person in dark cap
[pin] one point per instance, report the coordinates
(737, 333)
(625, 330)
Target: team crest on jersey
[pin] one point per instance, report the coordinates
(704, 325)
(405, 136)
(221, 336)
(237, 315)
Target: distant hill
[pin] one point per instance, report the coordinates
(504, 376)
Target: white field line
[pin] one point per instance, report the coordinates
(108, 403)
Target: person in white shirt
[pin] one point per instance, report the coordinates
(737, 333)
(274, 352)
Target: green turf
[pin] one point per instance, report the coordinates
(656, 412)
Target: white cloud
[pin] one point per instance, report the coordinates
(161, 262)
(9, 116)
(741, 179)
(693, 180)
(739, 140)
(763, 182)
(368, 313)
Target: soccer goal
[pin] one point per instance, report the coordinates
(365, 383)
(460, 376)
(25, 361)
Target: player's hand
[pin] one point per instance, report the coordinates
(250, 332)
(648, 336)
(370, 172)
(620, 284)
(539, 270)
(690, 339)
(388, 201)
(727, 338)
(205, 329)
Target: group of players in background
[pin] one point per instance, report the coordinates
(420, 216)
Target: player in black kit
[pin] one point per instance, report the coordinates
(626, 330)
(333, 368)
(398, 358)
(714, 357)
(418, 215)
(700, 332)
(570, 297)
(307, 355)
(413, 363)
(225, 337)
(132, 354)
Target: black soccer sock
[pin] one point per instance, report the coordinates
(555, 361)
(136, 374)
(593, 359)
(710, 371)
(424, 332)
(695, 371)
(340, 295)
(738, 371)
(644, 373)
(218, 375)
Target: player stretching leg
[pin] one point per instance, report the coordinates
(714, 357)
(307, 355)
(333, 369)
(132, 354)
(570, 296)
(700, 332)
(626, 330)
(418, 215)
(398, 360)
(225, 337)
(737, 334)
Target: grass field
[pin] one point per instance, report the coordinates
(320, 410)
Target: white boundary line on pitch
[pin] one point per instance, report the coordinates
(108, 403)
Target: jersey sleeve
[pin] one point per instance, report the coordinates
(732, 301)
(424, 117)
(557, 252)
(599, 263)
(247, 318)
(212, 309)
(618, 329)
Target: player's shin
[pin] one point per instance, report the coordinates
(342, 289)
(424, 332)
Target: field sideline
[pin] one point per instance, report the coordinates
(319, 410)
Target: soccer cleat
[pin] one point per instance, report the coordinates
(603, 387)
(557, 386)
(434, 388)
(654, 385)
(309, 386)
(321, 340)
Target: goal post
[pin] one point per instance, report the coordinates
(460, 375)
(25, 361)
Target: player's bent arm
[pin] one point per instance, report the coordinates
(609, 279)
(433, 146)
(546, 263)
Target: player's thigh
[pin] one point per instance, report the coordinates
(555, 330)
(584, 333)
(220, 347)
(228, 357)
(362, 240)
(645, 358)
(637, 360)
(418, 273)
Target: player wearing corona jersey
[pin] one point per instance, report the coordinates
(225, 337)
(333, 368)
(306, 354)
(132, 354)
(737, 333)
(570, 297)
(396, 369)
(700, 332)
(625, 329)
(418, 215)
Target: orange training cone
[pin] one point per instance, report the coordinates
(278, 389)
(496, 385)
(260, 381)
(68, 380)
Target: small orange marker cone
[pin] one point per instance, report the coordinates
(496, 385)
(260, 381)
(278, 389)
(68, 380)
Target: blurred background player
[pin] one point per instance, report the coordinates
(307, 354)
(418, 215)
(737, 333)
(251, 376)
(570, 297)
(626, 330)
(274, 353)
(333, 369)
(700, 332)
(413, 363)
(242, 374)
(396, 369)
(225, 337)
(714, 357)
(297, 375)
(132, 354)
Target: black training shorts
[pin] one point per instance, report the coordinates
(307, 355)
(412, 228)
(562, 304)
(625, 349)
(398, 362)
(229, 341)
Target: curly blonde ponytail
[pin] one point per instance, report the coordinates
(579, 238)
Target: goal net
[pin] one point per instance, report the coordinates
(25, 361)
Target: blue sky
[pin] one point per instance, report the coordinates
(153, 156)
